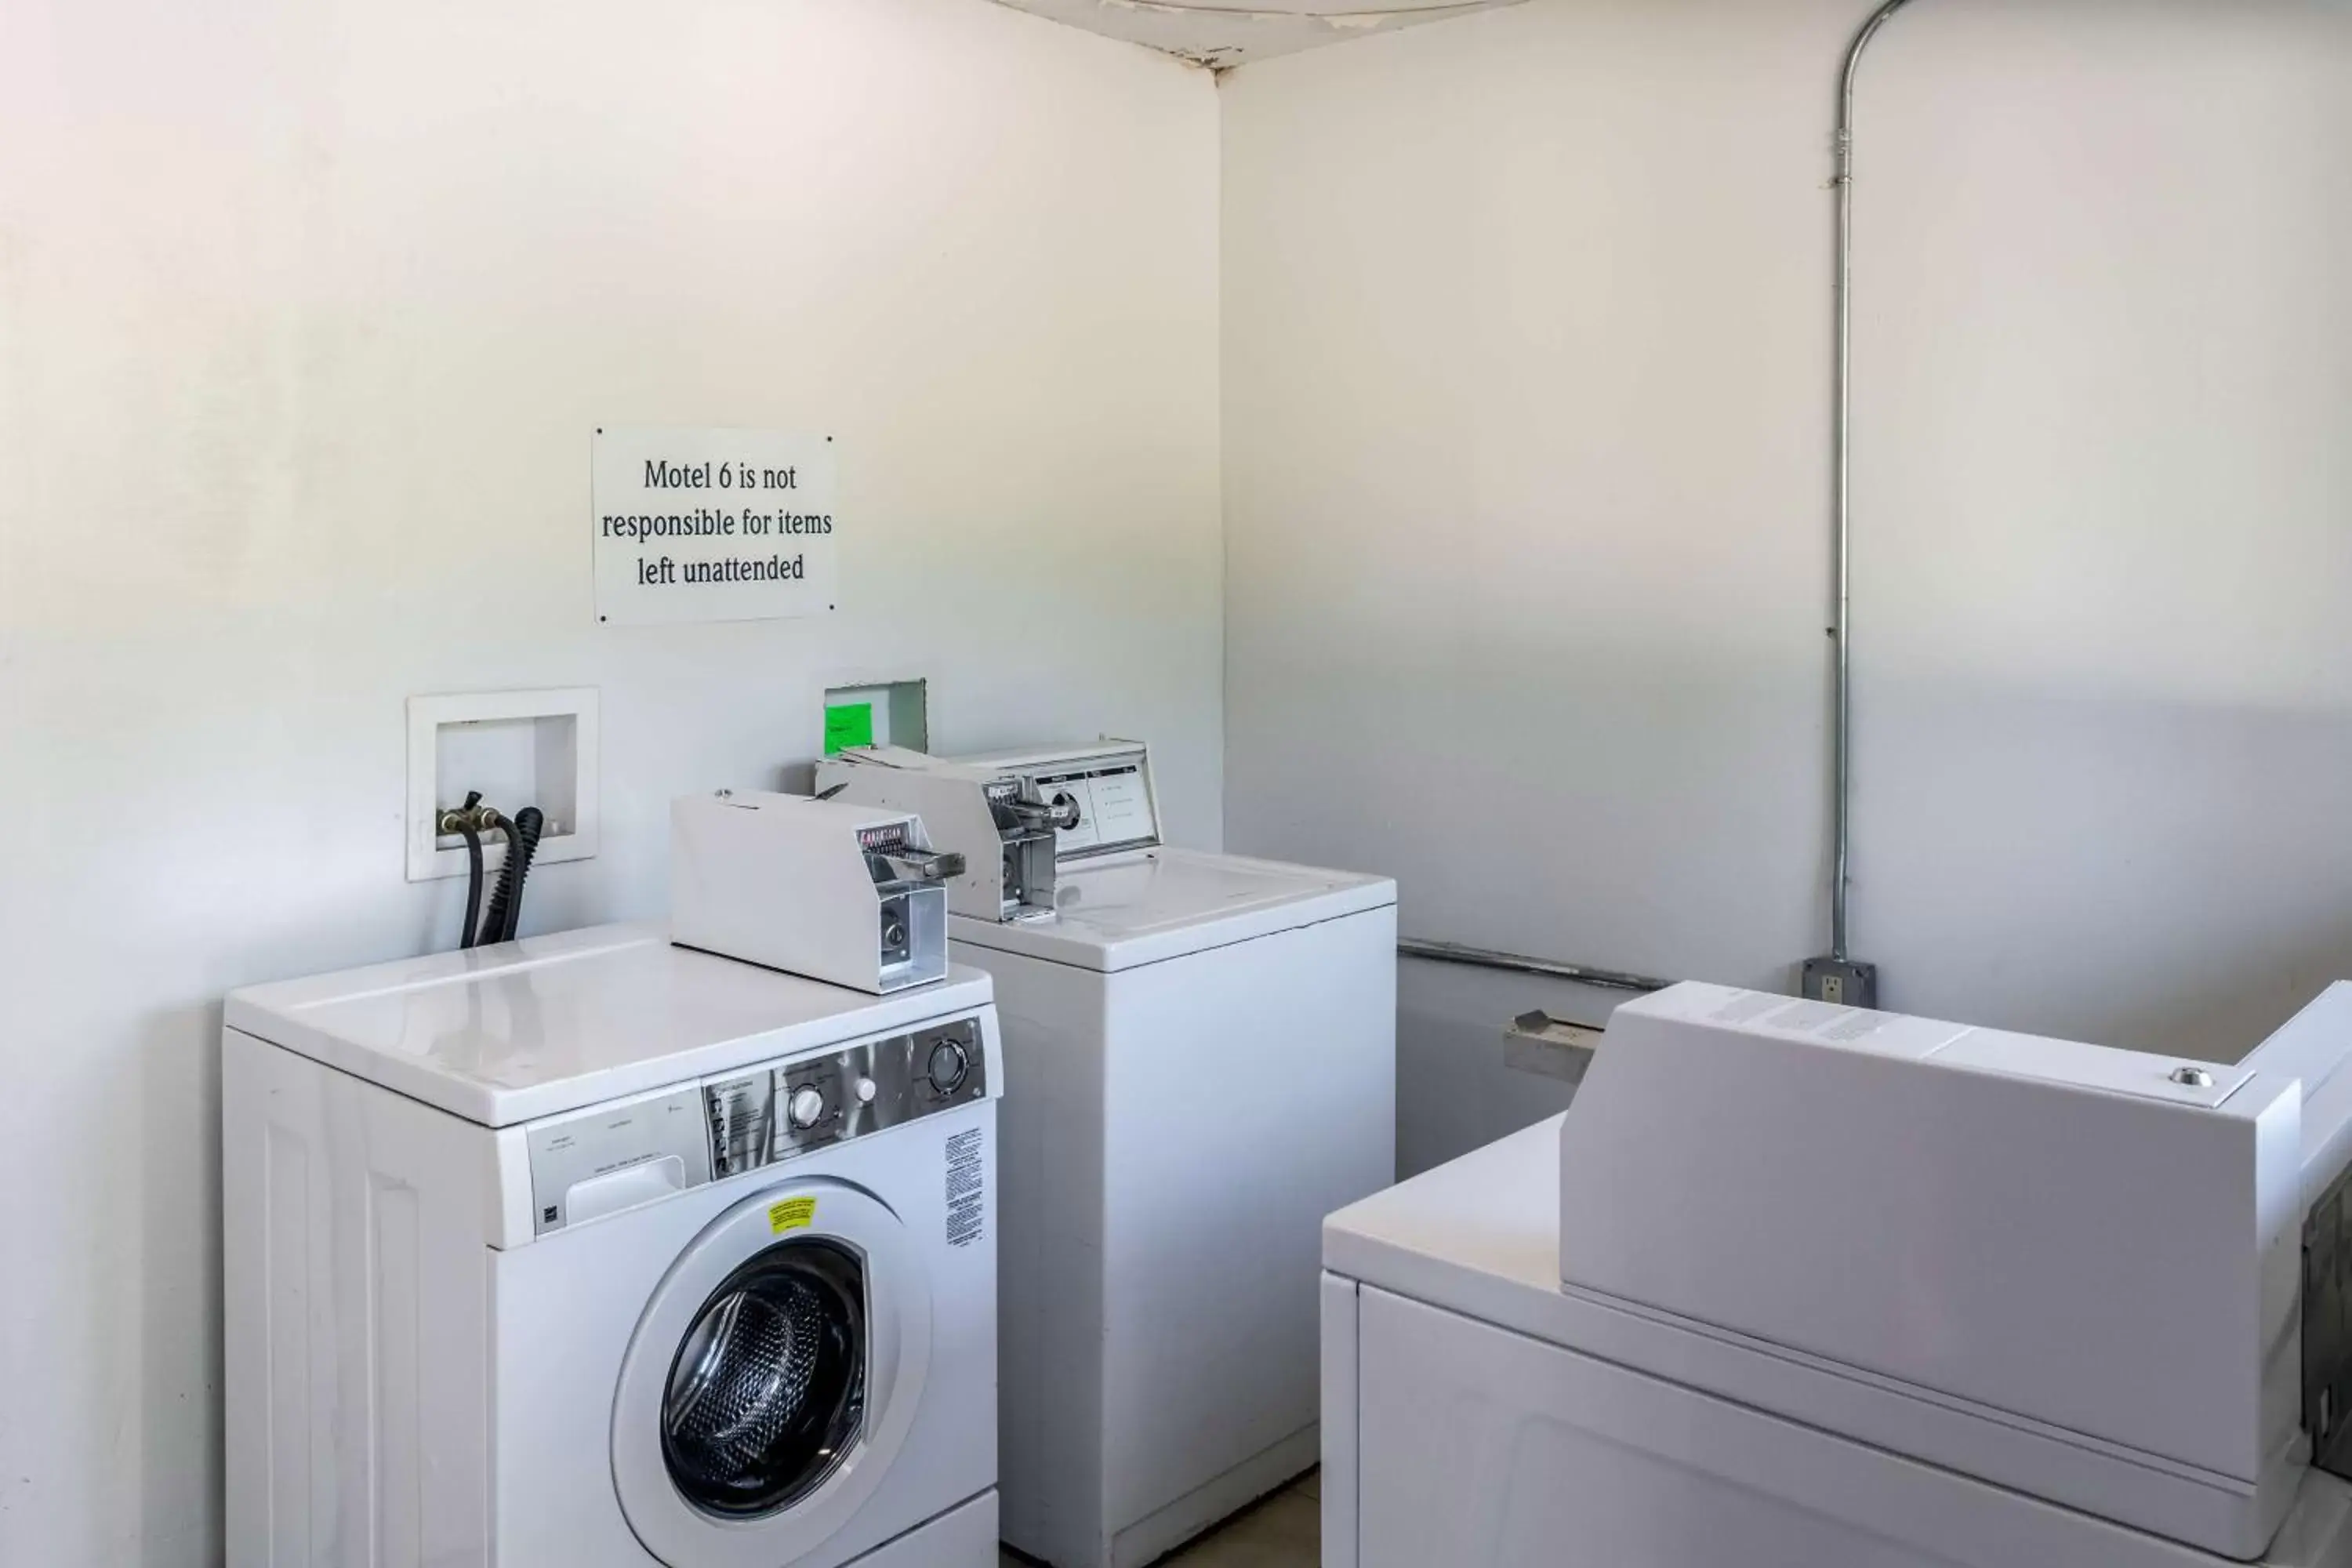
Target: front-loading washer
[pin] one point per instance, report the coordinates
(593, 1250)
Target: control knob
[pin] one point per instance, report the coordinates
(947, 1067)
(808, 1107)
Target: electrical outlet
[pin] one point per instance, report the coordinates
(1840, 981)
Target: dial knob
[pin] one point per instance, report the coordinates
(947, 1068)
(808, 1107)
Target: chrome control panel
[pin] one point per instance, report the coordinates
(770, 1113)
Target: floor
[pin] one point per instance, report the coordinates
(1284, 1531)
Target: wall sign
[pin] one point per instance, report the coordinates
(711, 525)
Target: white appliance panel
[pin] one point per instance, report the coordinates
(1480, 1236)
(566, 1307)
(790, 881)
(1049, 1260)
(343, 1204)
(1179, 1131)
(1484, 1448)
(1340, 1485)
(2048, 1222)
(963, 1539)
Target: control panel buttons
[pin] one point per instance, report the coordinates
(738, 1111)
(790, 1107)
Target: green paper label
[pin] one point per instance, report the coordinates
(851, 724)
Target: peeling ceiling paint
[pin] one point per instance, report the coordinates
(1223, 36)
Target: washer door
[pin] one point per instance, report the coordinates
(774, 1376)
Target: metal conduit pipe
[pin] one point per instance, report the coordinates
(1859, 986)
(1514, 963)
(1842, 627)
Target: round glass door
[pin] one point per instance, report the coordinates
(767, 1393)
(773, 1378)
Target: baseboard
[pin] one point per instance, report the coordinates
(1161, 1532)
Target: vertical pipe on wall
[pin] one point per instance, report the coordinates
(1841, 629)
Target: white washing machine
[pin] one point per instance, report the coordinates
(1205, 1051)
(593, 1251)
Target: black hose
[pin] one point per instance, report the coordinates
(497, 916)
(473, 873)
(506, 902)
(473, 885)
(531, 822)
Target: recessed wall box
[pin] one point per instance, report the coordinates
(849, 894)
(878, 714)
(519, 748)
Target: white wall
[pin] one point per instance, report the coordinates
(1527, 483)
(306, 311)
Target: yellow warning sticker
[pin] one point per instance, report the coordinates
(793, 1214)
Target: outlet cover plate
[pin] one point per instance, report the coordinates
(537, 748)
(1840, 981)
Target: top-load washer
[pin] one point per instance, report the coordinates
(1204, 1051)
(596, 1251)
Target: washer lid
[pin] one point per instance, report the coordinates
(524, 1029)
(1158, 904)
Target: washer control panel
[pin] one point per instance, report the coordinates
(769, 1113)
(1100, 795)
(616, 1156)
(1102, 804)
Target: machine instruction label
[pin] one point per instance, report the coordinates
(967, 1188)
(793, 1214)
(712, 524)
